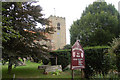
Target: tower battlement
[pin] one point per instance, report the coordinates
(57, 17)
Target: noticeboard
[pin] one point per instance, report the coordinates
(77, 57)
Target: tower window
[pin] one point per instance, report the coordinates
(58, 26)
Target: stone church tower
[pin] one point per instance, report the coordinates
(58, 39)
(119, 7)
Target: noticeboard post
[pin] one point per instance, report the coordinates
(77, 57)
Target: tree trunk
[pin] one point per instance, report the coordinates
(9, 66)
(56, 60)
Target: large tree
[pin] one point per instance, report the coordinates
(20, 35)
(97, 25)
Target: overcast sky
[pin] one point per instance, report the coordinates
(70, 9)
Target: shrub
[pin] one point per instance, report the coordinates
(57, 72)
(45, 61)
(63, 58)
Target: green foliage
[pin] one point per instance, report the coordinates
(97, 25)
(115, 52)
(115, 46)
(77, 72)
(92, 47)
(7, 29)
(96, 59)
(63, 58)
(96, 47)
(57, 72)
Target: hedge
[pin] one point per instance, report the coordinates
(96, 59)
(63, 58)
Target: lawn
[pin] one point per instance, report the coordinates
(31, 71)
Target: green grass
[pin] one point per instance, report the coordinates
(31, 71)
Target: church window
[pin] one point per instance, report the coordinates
(58, 26)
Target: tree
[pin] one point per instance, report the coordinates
(97, 25)
(20, 35)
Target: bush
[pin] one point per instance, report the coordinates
(63, 58)
(45, 61)
(57, 72)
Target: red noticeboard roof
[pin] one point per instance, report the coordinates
(77, 44)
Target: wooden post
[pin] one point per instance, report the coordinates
(82, 73)
(56, 60)
(72, 75)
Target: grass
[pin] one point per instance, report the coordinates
(31, 71)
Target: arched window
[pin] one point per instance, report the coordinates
(58, 26)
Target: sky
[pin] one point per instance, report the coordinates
(70, 9)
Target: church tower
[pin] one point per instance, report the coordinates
(58, 39)
(119, 7)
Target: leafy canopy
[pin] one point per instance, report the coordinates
(97, 25)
